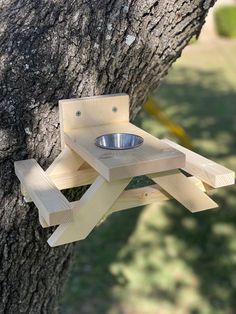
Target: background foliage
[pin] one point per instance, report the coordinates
(225, 18)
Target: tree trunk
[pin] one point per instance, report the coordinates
(52, 50)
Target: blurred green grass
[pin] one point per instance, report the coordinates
(161, 258)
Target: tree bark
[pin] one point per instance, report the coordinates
(52, 50)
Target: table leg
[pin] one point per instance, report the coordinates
(66, 161)
(179, 187)
(93, 205)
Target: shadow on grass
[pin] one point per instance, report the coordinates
(208, 249)
(89, 289)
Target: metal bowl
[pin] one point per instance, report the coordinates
(118, 141)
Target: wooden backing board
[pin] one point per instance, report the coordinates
(205, 169)
(90, 111)
(152, 156)
(52, 204)
(179, 187)
(91, 208)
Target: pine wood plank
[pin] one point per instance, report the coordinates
(179, 187)
(66, 161)
(142, 196)
(43, 222)
(205, 169)
(69, 180)
(27, 198)
(89, 211)
(94, 110)
(153, 156)
(147, 195)
(52, 204)
(74, 179)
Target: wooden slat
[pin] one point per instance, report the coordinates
(205, 169)
(152, 156)
(146, 195)
(140, 197)
(74, 179)
(52, 204)
(63, 171)
(94, 110)
(65, 162)
(69, 180)
(179, 187)
(27, 198)
(91, 208)
(43, 222)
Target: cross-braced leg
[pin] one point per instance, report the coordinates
(184, 191)
(90, 209)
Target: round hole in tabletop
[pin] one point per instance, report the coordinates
(118, 141)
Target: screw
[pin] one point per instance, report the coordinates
(78, 113)
(114, 109)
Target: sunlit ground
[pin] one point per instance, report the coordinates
(161, 258)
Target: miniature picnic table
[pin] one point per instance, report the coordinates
(109, 172)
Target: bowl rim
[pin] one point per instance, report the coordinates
(140, 138)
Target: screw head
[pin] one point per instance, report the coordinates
(114, 109)
(78, 113)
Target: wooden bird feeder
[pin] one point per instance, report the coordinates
(83, 161)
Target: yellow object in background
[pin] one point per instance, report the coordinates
(153, 109)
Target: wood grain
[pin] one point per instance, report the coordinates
(205, 169)
(89, 211)
(52, 204)
(153, 156)
(179, 187)
(66, 161)
(147, 195)
(95, 110)
(74, 178)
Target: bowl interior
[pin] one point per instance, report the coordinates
(119, 141)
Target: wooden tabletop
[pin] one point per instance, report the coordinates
(151, 157)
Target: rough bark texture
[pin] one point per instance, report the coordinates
(61, 49)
